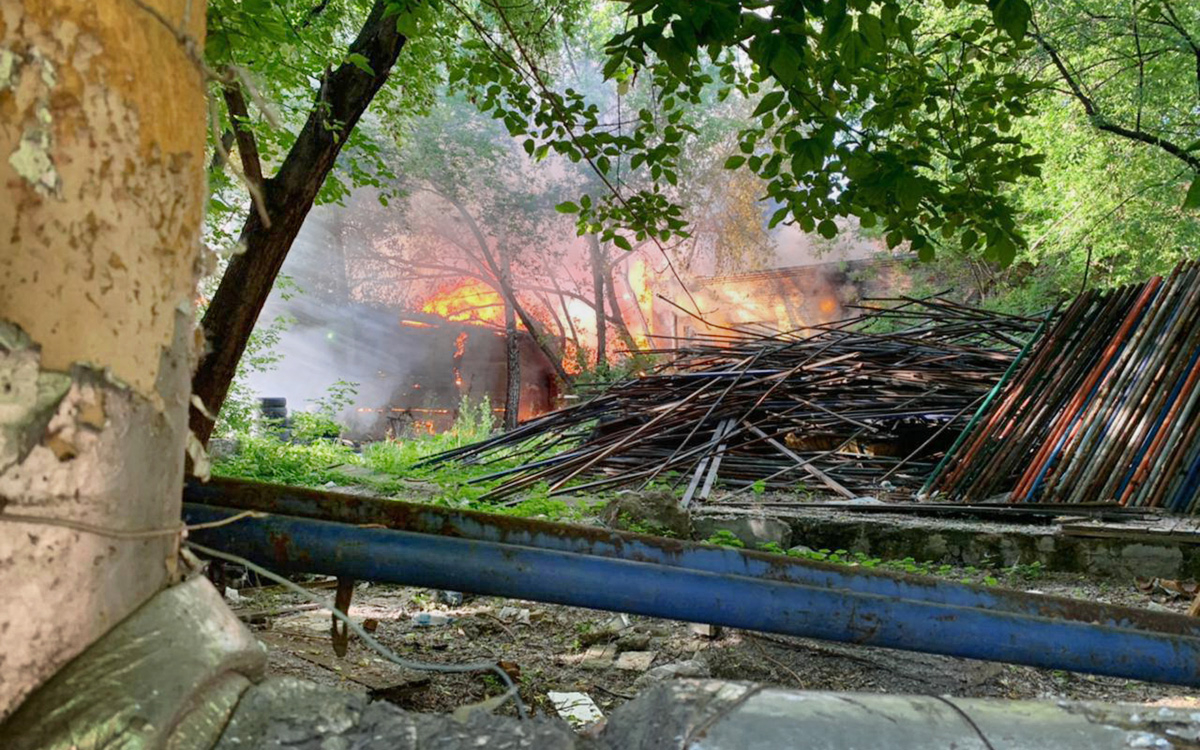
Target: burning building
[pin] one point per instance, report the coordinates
(782, 299)
(412, 369)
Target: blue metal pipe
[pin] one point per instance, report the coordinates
(589, 540)
(743, 601)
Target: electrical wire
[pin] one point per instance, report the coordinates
(105, 531)
(375, 645)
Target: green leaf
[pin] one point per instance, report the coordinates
(673, 54)
(785, 63)
(734, 162)
(567, 207)
(1003, 250)
(827, 229)
(1013, 16)
(1193, 194)
(406, 24)
(768, 103)
(621, 242)
(872, 30)
(835, 19)
(855, 50)
(360, 61)
(613, 65)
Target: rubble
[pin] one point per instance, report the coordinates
(755, 532)
(673, 671)
(837, 407)
(577, 709)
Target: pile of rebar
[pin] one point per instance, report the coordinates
(1106, 408)
(867, 404)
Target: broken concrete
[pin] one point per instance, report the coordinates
(969, 542)
(741, 716)
(655, 513)
(688, 668)
(635, 661)
(288, 713)
(755, 530)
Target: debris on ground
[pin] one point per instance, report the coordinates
(686, 668)
(431, 619)
(548, 654)
(837, 405)
(650, 512)
(577, 709)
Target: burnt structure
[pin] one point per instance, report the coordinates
(787, 299)
(411, 369)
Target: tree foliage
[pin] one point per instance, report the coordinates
(896, 115)
(1117, 119)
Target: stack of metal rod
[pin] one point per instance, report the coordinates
(1106, 407)
(864, 405)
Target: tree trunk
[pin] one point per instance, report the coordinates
(509, 294)
(344, 95)
(610, 288)
(598, 295)
(103, 196)
(512, 389)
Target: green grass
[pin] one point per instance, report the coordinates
(267, 459)
(393, 467)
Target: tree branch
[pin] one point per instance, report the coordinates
(218, 158)
(239, 116)
(1098, 121)
(535, 330)
(344, 95)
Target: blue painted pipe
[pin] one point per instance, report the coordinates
(589, 540)
(742, 601)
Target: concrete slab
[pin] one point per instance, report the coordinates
(1131, 549)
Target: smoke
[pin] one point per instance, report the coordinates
(331, 337)
(469, 196)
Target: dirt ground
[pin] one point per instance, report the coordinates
(557, 648)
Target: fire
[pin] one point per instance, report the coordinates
(460, 345)
(467, 301)
(639, 282)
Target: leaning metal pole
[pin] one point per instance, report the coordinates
(420, 545)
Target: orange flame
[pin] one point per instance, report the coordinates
(643, 297)
(467, 301)
(460, 345)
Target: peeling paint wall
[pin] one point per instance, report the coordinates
(102, 125)
(98, 168)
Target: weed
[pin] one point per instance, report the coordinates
(725, 538)
(1029, 572)
(267, 459)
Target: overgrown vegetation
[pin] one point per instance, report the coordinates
(308, 453)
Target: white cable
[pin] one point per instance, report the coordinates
(378, 647)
